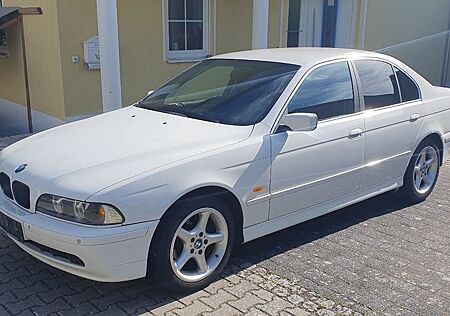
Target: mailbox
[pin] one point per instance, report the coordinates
(92, 53)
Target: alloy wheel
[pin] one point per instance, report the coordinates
(199, 245)
(426, 170)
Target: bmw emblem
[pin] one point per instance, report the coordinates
(20, 168)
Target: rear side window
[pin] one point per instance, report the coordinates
(408, 87)
(327, 91)
(379, 84)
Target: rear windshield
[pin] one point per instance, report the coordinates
(234, 92)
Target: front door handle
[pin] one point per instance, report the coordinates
(414, 117)
(354, 133)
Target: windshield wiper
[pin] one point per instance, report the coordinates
(173, 113)
(195, 115)
(202, 116)
(165, 111)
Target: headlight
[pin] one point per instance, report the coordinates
(78, 211)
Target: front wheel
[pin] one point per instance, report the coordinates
(422, 173)
(192, 245)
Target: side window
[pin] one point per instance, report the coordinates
(327, 91)
(407, 87)
(379, 84)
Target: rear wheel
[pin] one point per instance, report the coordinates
(192, 245)
(422, 173)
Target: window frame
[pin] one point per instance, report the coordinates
(400, 88)
(174, 56)
(393, 66)
(356, 94)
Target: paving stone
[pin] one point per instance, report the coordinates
(187, 300)
(166, 307)
(246, 302)
(224, 310)
(87, 294)
(3, 311)
(263, 294)
(84, 308)
(112, 310)
(218, 299)
(7, 297)
(297, 311)
(19, 306)
(275, 306)
(241, 288)
(215, 286)
(255, 312)
(58, 305)
(295, 299)
(196, 308)
(131, 306)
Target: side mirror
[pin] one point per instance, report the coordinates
(300, 122)
(150, 92)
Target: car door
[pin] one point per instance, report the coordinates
(311, 168)
(393, 114)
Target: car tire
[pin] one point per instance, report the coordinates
(192, 244)
(422, 173)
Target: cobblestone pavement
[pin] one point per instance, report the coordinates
(377, 257)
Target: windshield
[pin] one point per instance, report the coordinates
(234, 92)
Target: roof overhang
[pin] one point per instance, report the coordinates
(8, 15)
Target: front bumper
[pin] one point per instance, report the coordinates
(106, 254)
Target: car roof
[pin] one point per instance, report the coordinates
(297, 55)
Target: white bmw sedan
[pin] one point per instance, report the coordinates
(237, 147)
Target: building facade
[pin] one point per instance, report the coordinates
(140, 44)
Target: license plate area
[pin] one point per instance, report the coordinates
(12, 227)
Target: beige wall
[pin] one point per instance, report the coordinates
(234, 25)
(274, 22)
(142, 64)
(43, 55)
(77, 22)
(390, 23)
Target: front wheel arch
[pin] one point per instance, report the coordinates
(209, 192)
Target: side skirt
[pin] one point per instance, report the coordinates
(292, 219)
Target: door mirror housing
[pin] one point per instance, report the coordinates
(150, 92)
(300, 122)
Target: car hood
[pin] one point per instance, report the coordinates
(84, 157)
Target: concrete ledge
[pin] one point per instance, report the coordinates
(9, 140)
(14, 119)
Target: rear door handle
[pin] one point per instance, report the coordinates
(354, 133)
(414, 117)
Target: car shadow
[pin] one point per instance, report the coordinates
(279, 242)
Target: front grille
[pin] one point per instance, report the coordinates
(17, 191)
(21, 193)
(5, 184)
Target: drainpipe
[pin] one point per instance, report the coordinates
(109, 54)
(260, 27)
